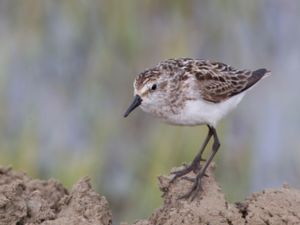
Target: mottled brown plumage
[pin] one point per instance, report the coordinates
(217, 81)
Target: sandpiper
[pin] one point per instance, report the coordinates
(193, 92)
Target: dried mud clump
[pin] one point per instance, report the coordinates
(269, 207)
(27, 201)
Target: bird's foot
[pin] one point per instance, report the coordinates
(196, 188)
(194, 166)
(191, 179)
(179, 173)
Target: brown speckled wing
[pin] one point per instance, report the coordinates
(218, 81)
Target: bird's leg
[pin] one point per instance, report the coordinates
(197, 183)
(195, 165)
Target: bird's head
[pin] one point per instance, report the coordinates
(150, 91)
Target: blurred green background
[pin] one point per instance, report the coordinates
(66, 73)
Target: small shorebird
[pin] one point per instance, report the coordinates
(192, 92)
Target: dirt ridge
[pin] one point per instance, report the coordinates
(24, 200)
(269, 207)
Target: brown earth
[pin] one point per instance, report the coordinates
(28, 201)
(269, 207)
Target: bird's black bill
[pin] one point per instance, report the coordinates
(136, 102)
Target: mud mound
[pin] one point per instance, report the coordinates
(27, 201)
(269, 207)
(33, 202)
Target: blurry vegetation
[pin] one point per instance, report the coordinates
(66, 72)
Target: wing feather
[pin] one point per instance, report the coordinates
(218, 81)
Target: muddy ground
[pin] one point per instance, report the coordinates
(24, 200)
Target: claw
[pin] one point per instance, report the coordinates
(195, 167)
(180, 173)
(196, 188)
(189, 179)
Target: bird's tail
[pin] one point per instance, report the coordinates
(260, 73)
(256, 76)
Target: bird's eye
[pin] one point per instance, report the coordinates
(154, 86)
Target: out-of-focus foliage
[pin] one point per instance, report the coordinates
(66, 72)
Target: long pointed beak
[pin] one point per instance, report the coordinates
(136, 102)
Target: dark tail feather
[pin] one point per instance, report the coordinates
(260, 73)
(256, 76)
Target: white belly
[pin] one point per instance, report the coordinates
(202, 112)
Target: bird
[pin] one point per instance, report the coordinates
(193, 92)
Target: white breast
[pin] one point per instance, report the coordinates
(198, 112)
